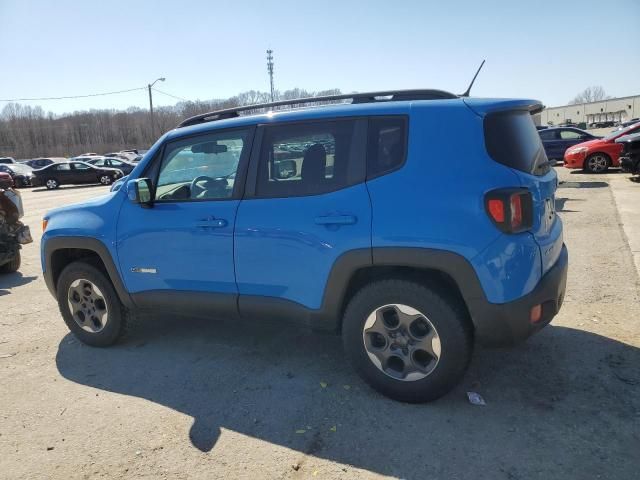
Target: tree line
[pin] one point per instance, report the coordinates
(28, 132)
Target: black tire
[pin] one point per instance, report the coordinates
(592, 164)
(119, 318)
(51, 183)
(445, 312)
(13, 265)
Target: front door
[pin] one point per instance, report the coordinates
(179, 252)
(83, 173)
(309, 206)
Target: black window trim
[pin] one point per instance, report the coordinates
(405, 120)
(359, 148)
(152, 170)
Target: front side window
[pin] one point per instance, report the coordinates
(80, 166)
(306, 158)
(63, 167)
(202, 167)
(570, 135)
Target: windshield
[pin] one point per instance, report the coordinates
(624, 131)
(18, 168)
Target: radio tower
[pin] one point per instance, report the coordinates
(270, 69)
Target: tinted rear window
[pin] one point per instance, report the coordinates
(512, 140)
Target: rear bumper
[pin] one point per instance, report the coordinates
(509, 323)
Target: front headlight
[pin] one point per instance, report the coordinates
(578, 150)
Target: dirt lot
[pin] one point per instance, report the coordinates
(208, 399)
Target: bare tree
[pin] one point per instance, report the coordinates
(590, 94)
(28, 132)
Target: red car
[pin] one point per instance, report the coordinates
(596, 156)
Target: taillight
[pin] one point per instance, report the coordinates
(510, 209)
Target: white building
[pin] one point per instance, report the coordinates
(614, 109)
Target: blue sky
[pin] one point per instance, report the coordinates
(214, 49)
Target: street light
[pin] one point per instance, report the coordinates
(161, 79)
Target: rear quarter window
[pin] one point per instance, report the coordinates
(511, 139)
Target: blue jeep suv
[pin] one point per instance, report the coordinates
(372, 218)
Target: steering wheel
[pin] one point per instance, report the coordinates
(194, 184)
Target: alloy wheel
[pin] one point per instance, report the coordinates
(401, 342)
(105, 179)
(88, 306)
(597, 163)
(51, 184)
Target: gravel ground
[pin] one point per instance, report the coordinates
(190, 398)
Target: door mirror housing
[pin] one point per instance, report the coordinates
(141, 192)
(285, 169)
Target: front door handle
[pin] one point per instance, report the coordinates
(212, 222)
(336, 220)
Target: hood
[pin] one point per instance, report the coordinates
(590, 143)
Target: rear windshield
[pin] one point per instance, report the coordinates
(512, 139)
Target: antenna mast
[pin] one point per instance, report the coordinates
(466, 94)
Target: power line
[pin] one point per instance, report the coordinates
(71, 96)
(170, 95)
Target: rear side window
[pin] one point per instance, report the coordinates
(386, 145)
(512, 140)
(548, 134)
(310, 158)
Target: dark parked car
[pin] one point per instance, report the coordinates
(630, 156)
(556, 140)
(109, 162)
(21, 174)
(36, 163)
(69, 173)
(5, 160)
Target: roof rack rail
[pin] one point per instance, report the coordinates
(369, 97)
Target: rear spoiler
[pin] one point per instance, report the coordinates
(485, 106)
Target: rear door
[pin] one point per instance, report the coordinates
(550, 140)
(306, 205)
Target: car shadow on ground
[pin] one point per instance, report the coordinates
(561, 203)
(293, 388)
(11, 280)
(611, 171)
(583, 185)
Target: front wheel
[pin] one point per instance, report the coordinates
(597, 163)
(51, 184)
(106, 180)
(13, 265)
(90, 305)
(409, 341)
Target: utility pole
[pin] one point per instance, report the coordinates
(270, 70)
(161, 79)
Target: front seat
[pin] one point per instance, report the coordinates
(314, 165)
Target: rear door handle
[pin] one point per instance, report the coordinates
(212, 222)
(336, 220)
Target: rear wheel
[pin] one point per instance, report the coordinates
(409, 341)
(597, 163)
(51, 183)
(106, 179)
(90, 305)
(13, 265)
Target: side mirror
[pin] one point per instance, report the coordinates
(140, 192)
(285, 169)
